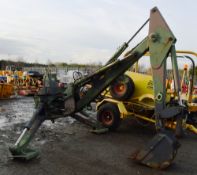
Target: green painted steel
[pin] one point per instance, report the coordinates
(55, 101)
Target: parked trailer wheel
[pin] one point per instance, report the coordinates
(122, 88)
(109, 115)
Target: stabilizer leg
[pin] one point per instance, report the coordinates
(97, 127)
(19, 150)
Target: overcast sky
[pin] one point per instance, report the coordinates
(84, 31)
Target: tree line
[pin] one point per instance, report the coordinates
(19, 65)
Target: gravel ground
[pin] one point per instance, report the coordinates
(68, 148)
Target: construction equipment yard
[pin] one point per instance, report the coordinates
(67, 146)
(111, 117)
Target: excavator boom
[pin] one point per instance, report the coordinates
(55, 101)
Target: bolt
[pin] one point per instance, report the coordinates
(170, 38)
(154, 37)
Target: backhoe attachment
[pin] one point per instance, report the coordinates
(159, 152)
(55, 102)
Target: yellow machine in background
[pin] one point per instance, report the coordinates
(6, 90)
(132, 96)
(23, 83)
(6, 87)
(137, 103)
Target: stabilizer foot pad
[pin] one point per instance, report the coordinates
(23, 154)
(99, 131)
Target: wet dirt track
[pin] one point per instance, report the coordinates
(68, 148)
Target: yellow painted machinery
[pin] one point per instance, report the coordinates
(132, 95)
(24, 83)
(6, 90)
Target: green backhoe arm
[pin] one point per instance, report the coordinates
(55, 101)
